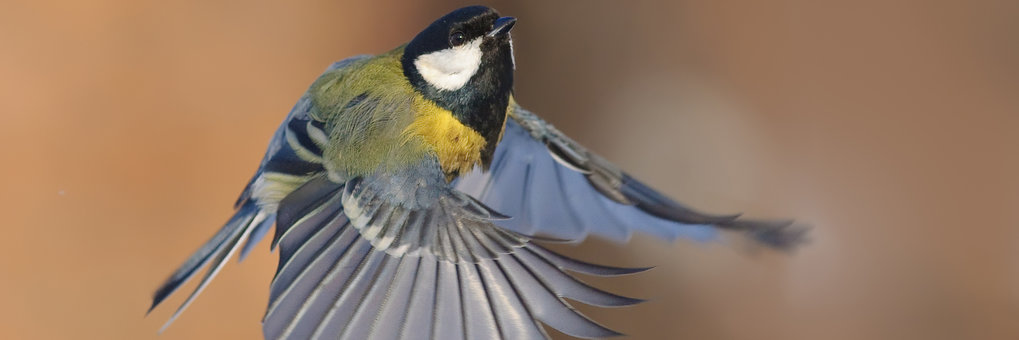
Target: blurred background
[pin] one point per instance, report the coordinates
(129, 127)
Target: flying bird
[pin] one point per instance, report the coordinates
(408, 190)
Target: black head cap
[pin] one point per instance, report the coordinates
(473, 22)
(459, 26)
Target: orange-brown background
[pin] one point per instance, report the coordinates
(128, 127)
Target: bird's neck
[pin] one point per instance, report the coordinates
(480, 105)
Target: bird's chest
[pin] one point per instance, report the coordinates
(457, 146)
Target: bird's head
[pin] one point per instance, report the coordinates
(464, 63)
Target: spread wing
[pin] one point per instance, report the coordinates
(554, 187)
(405, 256)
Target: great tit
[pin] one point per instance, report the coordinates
(408, 188)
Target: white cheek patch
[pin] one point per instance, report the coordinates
(451, 68)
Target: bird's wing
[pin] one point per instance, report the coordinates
(296, 147)
(405, 256)
(556, 188)
(293, 155)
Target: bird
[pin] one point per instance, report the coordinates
(411, 195)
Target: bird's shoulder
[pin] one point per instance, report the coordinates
(374, 78)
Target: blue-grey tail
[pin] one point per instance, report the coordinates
(249, 223)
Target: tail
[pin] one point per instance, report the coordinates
(248, 221)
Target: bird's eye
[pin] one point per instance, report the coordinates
(457, 38)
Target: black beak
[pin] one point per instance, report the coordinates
(502, 25)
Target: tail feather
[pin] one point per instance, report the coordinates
(249, 220)
(257, 233)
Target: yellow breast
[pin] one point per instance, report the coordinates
(457, 146)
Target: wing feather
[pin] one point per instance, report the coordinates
(422, 301)
(566, 263)
(394, 308)
(566, 286)
(479, 320)
(554, 187)
(302, 264)
(358, 297)
(546, 306)
(544, 174)
(513, 315)
(290, 305)
(448, 320)
(415, 259)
